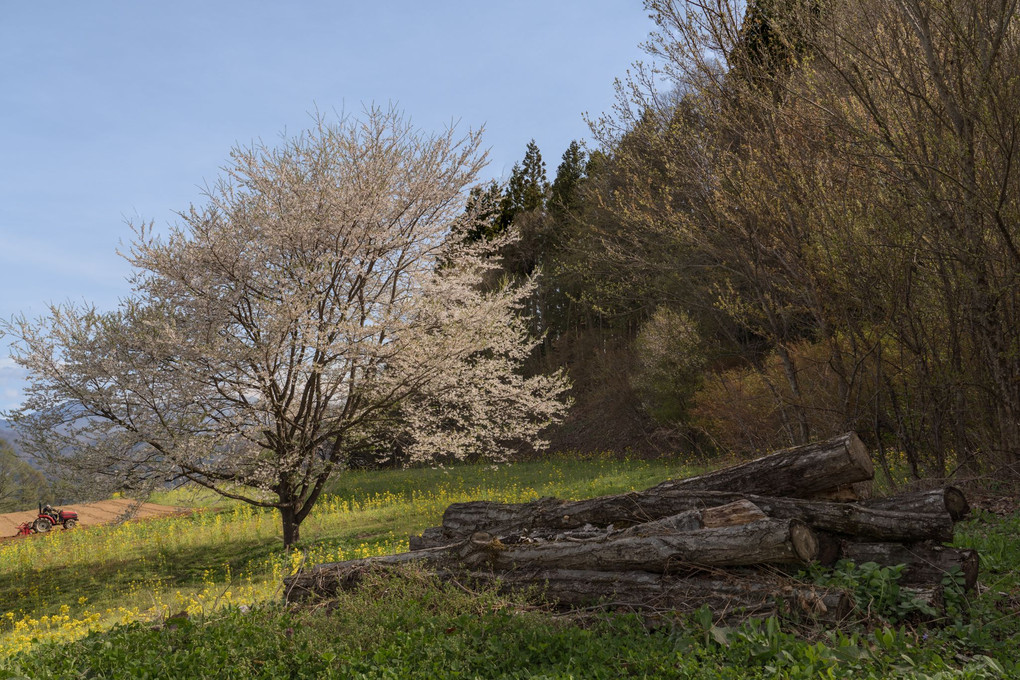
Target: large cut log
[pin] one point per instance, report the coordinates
(433, 537)
(949, 500)
(547, 517)
(932, 596)
(860, 522)
(682, 522)
(802, 471)
(732, 597)
(926, 564)
(863, 523)
(737, 513)
(728, 597)
(766, 541)
(732, 514)
(462, 519)
(798, 472)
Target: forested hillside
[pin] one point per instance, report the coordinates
(802, 219)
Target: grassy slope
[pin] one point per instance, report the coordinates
(95, 577)
(219, 566)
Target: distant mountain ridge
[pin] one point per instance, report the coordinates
(8, 434)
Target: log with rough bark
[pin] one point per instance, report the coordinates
(548, 517)
(948, 500)
(433, 537)
(799, 472)
(926, 563)
(729, 596)
(860, 522)
(766, 541)
(736, 596)
(501, 519)
(741, 511)
(732, 514)
(932, 596)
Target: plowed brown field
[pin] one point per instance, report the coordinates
(91, 514)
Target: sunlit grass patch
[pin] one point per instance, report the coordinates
(202, 591)
(63, 584)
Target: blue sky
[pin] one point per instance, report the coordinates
(117, 111)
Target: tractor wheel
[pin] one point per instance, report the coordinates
(42, 525)
(70, 523)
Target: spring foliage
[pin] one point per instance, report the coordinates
(313, 309)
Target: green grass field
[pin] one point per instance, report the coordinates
(199, 596)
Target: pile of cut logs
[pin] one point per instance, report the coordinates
(724, 539)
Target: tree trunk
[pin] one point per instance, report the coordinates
(798, 472)
(433, 537)
(766, 541)
(926, 564)
(861, 522)
(832, 466)
(682, 522)
(733, 514)
(501, 519)
(291, 527)
(949, 500)
(739, 596)
(729, 515)
(763, 542)
(736, 597)
(547, 517)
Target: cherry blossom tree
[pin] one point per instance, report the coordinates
(318, 306)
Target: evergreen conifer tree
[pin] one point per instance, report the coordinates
(484, 203)
(527, 189)
(564, 195)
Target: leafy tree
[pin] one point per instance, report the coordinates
(669, 364)
(319, 301)
(833, 186)
(772, 40)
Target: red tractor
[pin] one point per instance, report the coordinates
(50, 517)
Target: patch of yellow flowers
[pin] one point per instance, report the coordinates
(27, 631)
(154, 541)
(151, 545)
(261, 581)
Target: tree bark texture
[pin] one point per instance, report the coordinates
(728, 515)
(798, 472)
(926, 563)
(766, 541)
(949, 500)
(729, 596)
(291, 526)
(688, 543)
(502, 519)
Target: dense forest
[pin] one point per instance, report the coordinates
(801, 218)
